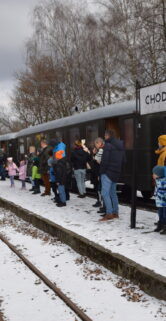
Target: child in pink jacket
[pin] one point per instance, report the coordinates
(12, 169)
(22, 172)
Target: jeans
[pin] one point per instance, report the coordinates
(108, 192)
(62, 194)
(162, 215)
(80, 179)
(12, 180)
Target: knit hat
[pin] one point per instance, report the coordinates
(36, 161)
(162, 140)
(159, 171)
(10, 159)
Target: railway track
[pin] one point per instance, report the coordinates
(50, 284)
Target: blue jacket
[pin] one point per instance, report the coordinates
(51, 170)
(59, 150)
(160, 192)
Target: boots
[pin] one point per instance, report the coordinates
(97, 204)
(159, 227)
(163, 230)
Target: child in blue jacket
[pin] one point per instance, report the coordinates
(52, 177)
(160, 197)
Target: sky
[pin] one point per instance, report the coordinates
(15, 30)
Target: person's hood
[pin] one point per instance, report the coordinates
(54, 142)
(115, 142)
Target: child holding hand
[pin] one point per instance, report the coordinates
(160, 197)
(22, 173)
(12, 169)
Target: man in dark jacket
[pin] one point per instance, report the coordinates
(2, 164)
(43, 166)
(110, 168)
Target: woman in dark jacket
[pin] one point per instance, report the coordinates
(79, 160)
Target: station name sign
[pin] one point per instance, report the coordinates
(153, 99)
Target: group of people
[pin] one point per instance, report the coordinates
(51, 165)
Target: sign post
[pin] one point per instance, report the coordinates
(134, 160)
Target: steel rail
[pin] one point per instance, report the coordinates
(51, 285)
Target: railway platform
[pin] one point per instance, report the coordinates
(138, 254)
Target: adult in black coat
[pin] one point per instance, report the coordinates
(79, 160)
(2, 164)
(110, 168)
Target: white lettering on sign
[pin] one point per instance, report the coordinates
(153, 99)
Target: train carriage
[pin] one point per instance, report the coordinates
(91, 124)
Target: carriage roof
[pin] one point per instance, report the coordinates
(113, 110)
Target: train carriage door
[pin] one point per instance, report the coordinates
(113, 123)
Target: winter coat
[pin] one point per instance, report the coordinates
(51, 170)
(12, 168)
(35, 172)
(2, 157)
(95, 172)
(22, 172)
(43, 160)
(30, 164)
(59, 150)
(79, 158)
(160, 192)
(112, 158)
(98, 155)
(162, 156)
(60, 171)
(95, 167)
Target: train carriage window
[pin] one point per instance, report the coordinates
(21, 146)
(128, 133)
(92, 133)
(30, 142)
(74, 135)
(22, 149)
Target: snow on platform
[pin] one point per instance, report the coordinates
(141, 245)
